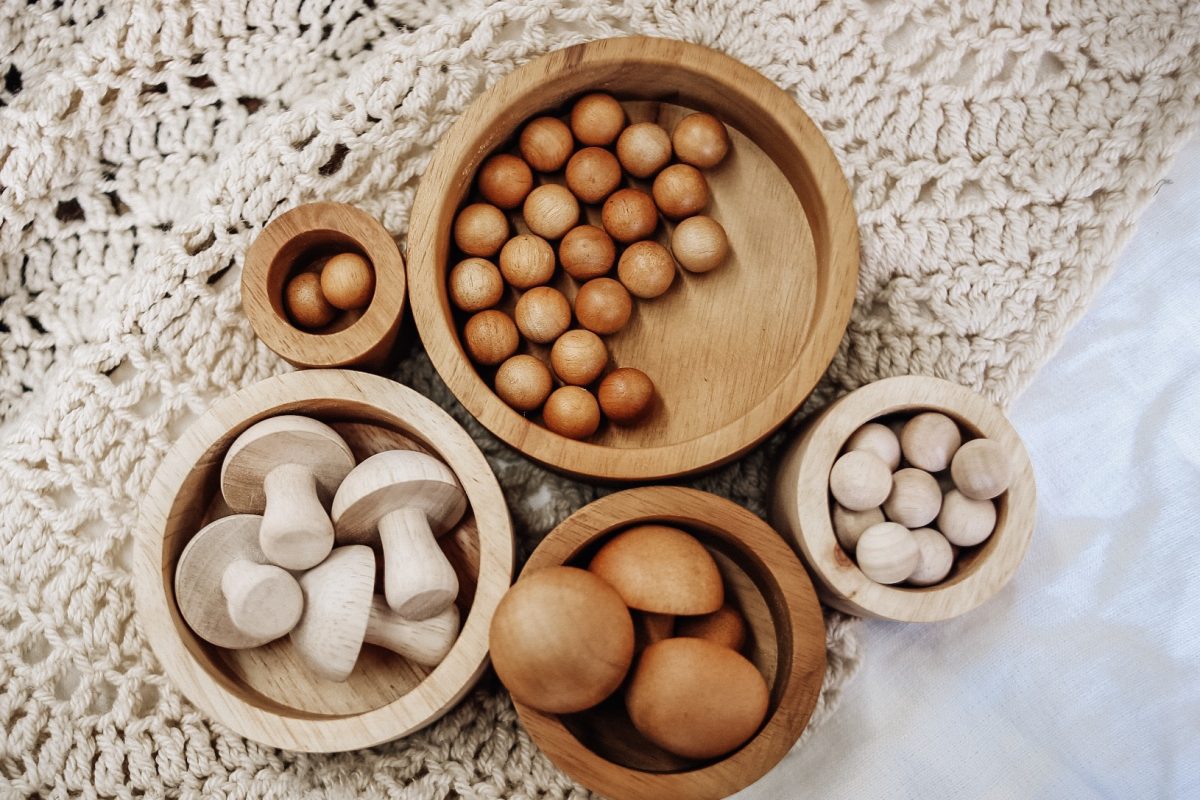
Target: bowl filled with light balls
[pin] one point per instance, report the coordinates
(911, 499)
(632, 259)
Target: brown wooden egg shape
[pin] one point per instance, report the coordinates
(481, 230)
(491, 336)
(597, 119)
(661, 569)
(603, 306)
(578, 357)
(347, 281)
(305, 303)
(524, 382)
(626, 395)
(629, 215)
(475, 284)
(643, 149)
(571, 411)
(680, 191)
(725, 626)
(593, 174)
(546, 144)
(505, 180)
(586, 252)
(700, 140)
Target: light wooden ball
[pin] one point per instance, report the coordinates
(504, 181)
(524, 382)
(586, 252)
(699, 244)
(725, 626)
(643, 149)
(571, 411)
(625, 395)
(646, 269)
(527, 261)
(849, 525)
(475, 284)
(629, 215)
(878, 439)
(593, 174)
(306, 304)
(934, 560)
(491, 336)
(578, 357)
(347, 281)
(966, 522)
(929, 441)
(887, 552)
(546, 144)
(915, 498)
(980, 469)
(543, 314)
(700, 140)
(551, 210)
(480, 230)
(603, 306)
(680, 191)
(860, 480)
(597, 119)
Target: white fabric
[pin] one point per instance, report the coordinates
(1082, 678)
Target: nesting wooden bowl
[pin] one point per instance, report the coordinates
(266, 693)
(732, 352)
(801, 504)
(600, 747)
(301, 240)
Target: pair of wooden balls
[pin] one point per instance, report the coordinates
(345, 282)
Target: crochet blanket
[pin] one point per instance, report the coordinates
(999, 154)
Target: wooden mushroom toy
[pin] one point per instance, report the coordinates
(404, 499)
(227, 592)
(287, 468)
(341, 613)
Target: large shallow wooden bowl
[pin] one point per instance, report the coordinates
(733, 352)
(600, 747)
(267, 694)
(801, 504)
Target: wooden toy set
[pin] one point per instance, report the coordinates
(325, 559)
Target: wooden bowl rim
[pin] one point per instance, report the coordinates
(270, 723)
(431, 310)
(798, 697)
(845, 586)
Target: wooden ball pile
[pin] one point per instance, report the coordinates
(649, 614)
(313, 298)
(614, 185)
(907, 496)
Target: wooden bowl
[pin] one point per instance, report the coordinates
(267, 694)
(599, 747)
(801, 504)
(300, 241)
(733, 352)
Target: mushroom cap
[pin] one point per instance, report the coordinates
(337, 604)
(390, 481)
(286, 439)
(661, 569)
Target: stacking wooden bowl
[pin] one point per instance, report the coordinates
(732, 352)
(301, 239)
(266, 693)
(801, 504)
(600, 747)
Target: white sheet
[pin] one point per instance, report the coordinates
(1082, 678)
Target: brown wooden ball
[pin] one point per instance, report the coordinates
(551, 210)
(680, 191)
(490, 337)
(603, 306)
(546, 144)
(646, 269)
(629, 215)
(593, 174)
(578, 357)
(524, 382)
(527, 260)
(504, 180)
(306, 305)
(597, 119)
(347, 281)
(475, 284)
(543, 314)
(586, 252)
(626, 395)
(643, 149)
(572, 411)
(480, 230)
(699, 244)
(700, 140)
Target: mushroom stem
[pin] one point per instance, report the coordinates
(263, 600)
(296, 532)
(418, 579)
(424, 641)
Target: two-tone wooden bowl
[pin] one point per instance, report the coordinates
(267, 694)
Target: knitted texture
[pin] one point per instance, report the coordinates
(998, 154)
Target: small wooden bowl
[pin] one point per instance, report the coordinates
(300, 240)
(732, 352)
(267, 694)
(600, 747)
(801, 504)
